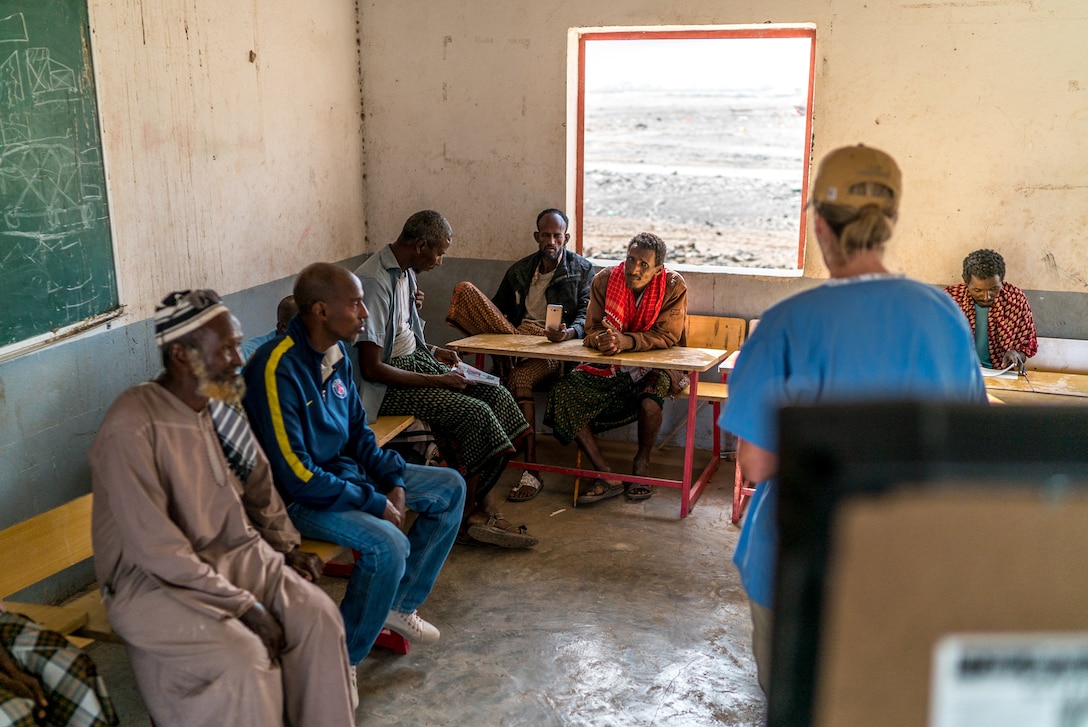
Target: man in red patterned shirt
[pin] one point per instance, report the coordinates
(998, 312)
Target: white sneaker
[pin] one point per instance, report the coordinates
(411, 627)
(354, 688)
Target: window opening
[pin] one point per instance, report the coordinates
(701, 136)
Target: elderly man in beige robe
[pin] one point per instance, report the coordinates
(197, 560)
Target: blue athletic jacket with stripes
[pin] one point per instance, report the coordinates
(314, 432)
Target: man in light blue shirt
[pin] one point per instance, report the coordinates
(285, 311)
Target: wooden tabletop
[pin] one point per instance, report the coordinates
(994, 383)
(677, 358)
(1043, 382)
(1049, 382)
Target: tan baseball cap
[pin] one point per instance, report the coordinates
(843, 168)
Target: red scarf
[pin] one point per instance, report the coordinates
(620, 310)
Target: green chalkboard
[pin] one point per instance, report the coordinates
(56, 252)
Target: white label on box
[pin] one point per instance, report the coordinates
(1010, 680)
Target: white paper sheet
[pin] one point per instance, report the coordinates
(1010, 680)
(475, 376)
(1005, 373)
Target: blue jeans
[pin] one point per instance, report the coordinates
(394, 571)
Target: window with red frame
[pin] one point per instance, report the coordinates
(700, 136)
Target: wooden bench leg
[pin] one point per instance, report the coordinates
(742, 492)
(577, 479)
(393, 641)
(341, 570)
(738, 485)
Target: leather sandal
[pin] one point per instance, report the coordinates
(516, 536)
(528, 480)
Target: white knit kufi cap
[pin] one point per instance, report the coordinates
(183, 312)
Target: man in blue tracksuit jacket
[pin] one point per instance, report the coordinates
(338, 484)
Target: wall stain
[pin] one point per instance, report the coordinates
(1053, 268)
(969, 5)
(1027, 190)
(446, 41)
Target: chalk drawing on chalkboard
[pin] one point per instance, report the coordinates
(46, 170)
(47, 76)
(13, 29)
(11, 90)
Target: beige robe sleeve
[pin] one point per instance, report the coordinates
(266, 510)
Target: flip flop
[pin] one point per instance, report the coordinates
(644, 491)
(609, 491)
(515, 537)
(527, 480)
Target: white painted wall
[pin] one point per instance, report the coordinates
(225, 172)
(984, 104)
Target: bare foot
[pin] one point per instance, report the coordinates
(600, 487)
(639, 490)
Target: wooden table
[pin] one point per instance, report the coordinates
(1042, 382)
(679, 358)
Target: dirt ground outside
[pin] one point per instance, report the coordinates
(717, 176)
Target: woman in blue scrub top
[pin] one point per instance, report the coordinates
(865, 334)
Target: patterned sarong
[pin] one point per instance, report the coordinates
(583, 399)
(475, 428)
(76, 694)
(472, 312)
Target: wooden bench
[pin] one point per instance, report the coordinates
(43, 546)
(712, 332)
(48, 543)
(385, 428)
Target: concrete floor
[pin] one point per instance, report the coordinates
(622, 615)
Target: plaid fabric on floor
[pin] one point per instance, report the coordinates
(15, 711)
(77, 695)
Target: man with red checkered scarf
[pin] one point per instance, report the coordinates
(637, 305)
